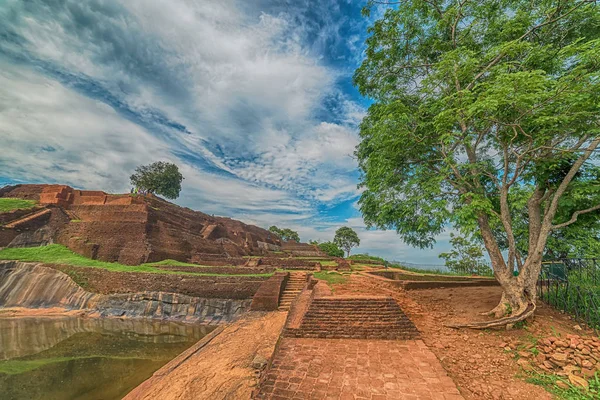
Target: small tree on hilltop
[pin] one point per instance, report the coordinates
(275, 230)
(285, 234)
(345, 238)
(158, 178)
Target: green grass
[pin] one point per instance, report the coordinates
(171, 263)
(332, 278)
(548, 382)
(363, 257)
(58, 254)
(328, 263)
(7, 204)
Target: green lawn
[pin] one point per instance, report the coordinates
(59, 254)
(7, 204)
(331, 278)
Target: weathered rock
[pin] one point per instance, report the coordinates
(578, 381)
(259, 362)
(36, 286)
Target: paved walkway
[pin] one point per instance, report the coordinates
(351, 369)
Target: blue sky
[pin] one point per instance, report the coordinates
(252, 99)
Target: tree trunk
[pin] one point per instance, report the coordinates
(518, 292)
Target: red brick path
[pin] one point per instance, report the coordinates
(356, 369)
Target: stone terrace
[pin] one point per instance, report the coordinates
(356, 369)
(341, 349)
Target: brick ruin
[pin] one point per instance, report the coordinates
(134, 229)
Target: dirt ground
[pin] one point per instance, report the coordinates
(220, 365)
(475, 360)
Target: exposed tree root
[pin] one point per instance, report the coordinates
(499, 310)
(523, 315)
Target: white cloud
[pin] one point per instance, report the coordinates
(243, 101)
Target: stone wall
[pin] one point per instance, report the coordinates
(33, 285)
(103, 281)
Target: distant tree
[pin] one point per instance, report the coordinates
(466, 256)
(331, 249)
(158, 178)
(275, 230)
(285, 234)
(288, 234)
(345, 238)
(313, 242)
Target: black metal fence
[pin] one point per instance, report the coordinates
(573, 286)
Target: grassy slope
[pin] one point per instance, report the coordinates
(58, 254)
(331, 277)
(8, 204)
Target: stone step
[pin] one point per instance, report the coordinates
(357, 318)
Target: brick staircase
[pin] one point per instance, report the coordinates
(294, 286)
(27, 218)
(354, 318)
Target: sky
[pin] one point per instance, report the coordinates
(252, 99)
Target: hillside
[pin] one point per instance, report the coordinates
(130, 229)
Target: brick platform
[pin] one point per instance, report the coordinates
(356, 369)
(354, 318)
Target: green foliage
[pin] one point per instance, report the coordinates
(466, 257)
(331, 249)
(159, 178)
(285, 234)
(346, 238)
(58, 254)
(471, 99)
(579, 240)
(10, 204)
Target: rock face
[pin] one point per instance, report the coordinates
(33, 285)
(131, 229)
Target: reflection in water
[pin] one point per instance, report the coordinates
(91, 359)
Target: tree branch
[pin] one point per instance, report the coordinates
(574, 217)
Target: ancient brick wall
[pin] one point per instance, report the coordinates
(102, 281)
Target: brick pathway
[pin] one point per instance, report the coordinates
(356, 369)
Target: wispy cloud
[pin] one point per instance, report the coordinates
(252, 99)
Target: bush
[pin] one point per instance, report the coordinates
(331, 249)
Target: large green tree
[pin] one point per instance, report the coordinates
(159, 178)
(472, 102)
